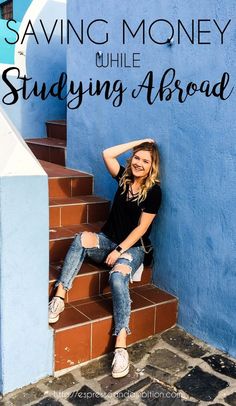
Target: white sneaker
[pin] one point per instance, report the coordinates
(120, 363)
(55, 307)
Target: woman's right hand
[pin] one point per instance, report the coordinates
(147, 140)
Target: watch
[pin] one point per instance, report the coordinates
(119, 249)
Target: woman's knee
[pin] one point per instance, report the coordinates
(118, 278)
(89, 239)
(122, 268)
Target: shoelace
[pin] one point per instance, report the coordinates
(121, 355)
(53, 305)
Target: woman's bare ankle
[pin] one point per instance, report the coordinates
(60, 291)
(121, 339)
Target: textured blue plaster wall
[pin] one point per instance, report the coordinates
(29, 116)
(19, 8)
(6, 50)
(24, 333)
(45, 63)
(195, 236)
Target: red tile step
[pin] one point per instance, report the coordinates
(92, 280)
(84, 330)
(64, 182)
(48, 149)
(62, 237)
(56, 129)
(76, 210)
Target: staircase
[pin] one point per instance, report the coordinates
(52, 148)
(84, 329)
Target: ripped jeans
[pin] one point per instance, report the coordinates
(118, 281)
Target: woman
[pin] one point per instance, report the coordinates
(123, 240)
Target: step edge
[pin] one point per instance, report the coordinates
(154, 286)
(62, 238)
(69, 177)
(40, 140)
(47, 146)
(96, 271)
(57, 123)
(77, 204)
(69, 229)
(80, 324)
(165, 301)
(82, 275)
(42, 162)
(107, 317)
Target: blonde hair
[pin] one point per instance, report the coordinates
(153, 176)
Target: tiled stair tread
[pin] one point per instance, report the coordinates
(59, 233)
(50, 142)
(91, 280)
(150, 292)
(58, 171)
(77, 200)
(154, 294)
(100, 307)
(88, 267)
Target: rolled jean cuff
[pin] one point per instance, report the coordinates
(118, 330)
(63, 285)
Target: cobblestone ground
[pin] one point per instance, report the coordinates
(172, 368)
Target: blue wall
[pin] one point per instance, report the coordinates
(29, 116)
(26, 341)
(195, 236)
(19, 8)
(7, 51)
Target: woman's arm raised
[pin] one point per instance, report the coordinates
(110, 154)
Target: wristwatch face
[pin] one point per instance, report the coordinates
(118, 248)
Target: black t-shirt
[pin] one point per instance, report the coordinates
(125, 214)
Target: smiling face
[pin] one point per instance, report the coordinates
(141, 164)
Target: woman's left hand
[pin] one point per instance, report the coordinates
(112, 257)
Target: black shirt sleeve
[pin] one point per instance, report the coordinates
(120, 173)
(153, 200)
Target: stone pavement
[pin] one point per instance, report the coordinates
(172, 368)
